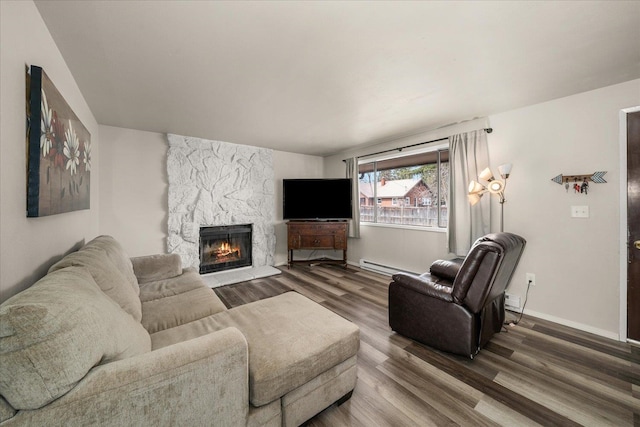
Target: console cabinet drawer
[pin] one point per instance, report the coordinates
(315, 241)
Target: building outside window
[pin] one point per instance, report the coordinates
(394, 182)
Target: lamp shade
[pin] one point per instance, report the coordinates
(505, 170)
(486, 175)
(475, 187)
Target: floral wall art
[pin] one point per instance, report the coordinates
(59, 151)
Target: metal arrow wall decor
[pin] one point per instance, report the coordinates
(580, 183)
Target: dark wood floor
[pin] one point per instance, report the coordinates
(535, 373)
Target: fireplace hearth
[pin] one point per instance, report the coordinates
(225, 247)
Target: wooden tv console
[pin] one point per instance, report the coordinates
(311, 235)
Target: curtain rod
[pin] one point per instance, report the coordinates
(488, 130)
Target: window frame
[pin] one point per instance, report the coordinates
(407, 153)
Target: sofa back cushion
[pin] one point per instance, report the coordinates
(53, 333)
(151, 268)
(117, 255)
(111, 269)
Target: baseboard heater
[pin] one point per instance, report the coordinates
(512, 302)
(380, 268)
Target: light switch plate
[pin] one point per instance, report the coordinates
(579, 211)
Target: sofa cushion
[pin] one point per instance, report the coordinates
(172, 302)
(176, 310)
(291, 340)
(6, 410)
(53, 333)
(185, 282)
(156, 267)
(111, 269)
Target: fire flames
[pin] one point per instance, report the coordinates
(225, 252)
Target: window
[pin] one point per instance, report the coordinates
(393, 182)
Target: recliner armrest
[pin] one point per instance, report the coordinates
(446, 269)
(424, 285)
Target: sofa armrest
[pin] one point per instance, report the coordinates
(424, 285)
(156, 267)
(203, 381)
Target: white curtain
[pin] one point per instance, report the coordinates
(352, 172)
(468, 156)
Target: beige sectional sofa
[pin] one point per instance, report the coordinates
(103, 339)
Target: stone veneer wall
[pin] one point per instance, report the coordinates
(219, 183)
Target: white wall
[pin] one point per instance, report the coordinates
(28, 246)
(133, 189)
(576, 261)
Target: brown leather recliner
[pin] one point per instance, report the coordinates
(459, 304)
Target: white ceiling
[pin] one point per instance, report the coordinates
(320, 77)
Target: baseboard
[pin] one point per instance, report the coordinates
(574, 325)
(379, 268)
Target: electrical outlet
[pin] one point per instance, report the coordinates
(530, 278)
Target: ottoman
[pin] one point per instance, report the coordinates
(299, 352)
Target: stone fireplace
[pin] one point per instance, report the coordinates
(215, 183)
(225, 247)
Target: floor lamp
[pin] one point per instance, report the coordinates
(494, 186)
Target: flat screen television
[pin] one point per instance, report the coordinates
(316, 199)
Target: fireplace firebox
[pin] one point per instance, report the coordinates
(225, 247)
